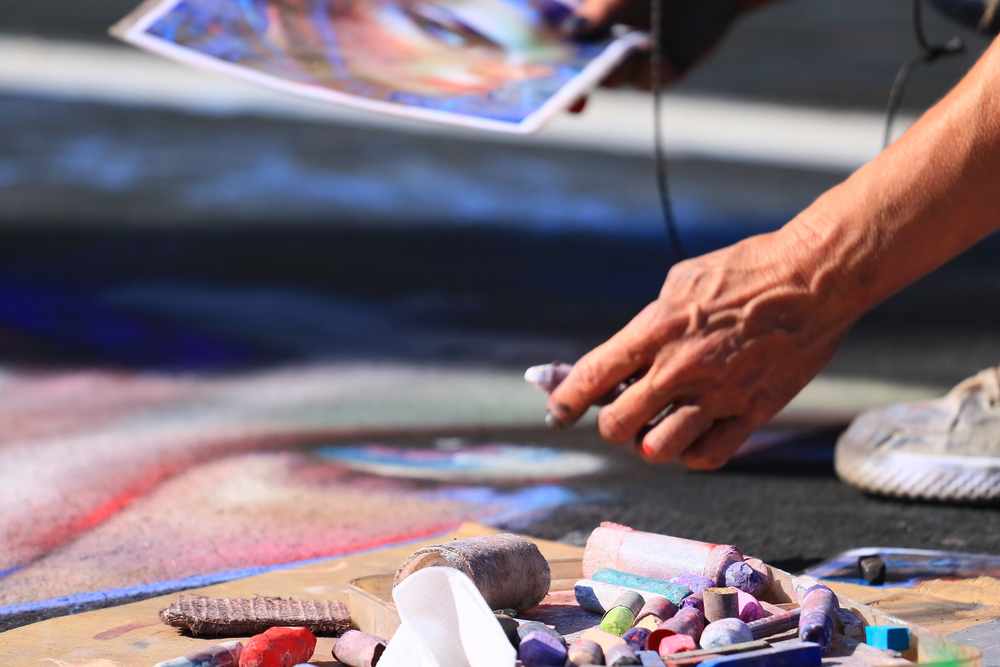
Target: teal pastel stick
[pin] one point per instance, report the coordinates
(793, 654)
(889, 637)
(672, 592)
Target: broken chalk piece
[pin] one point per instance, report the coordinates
(674, 644)
(656, 610)
(622, 614)
(599, 597)
(850, 625)
(525, 628)
(226, 654)
(510, 627)
(540, 649)
(725, 632)
(872, 569)
(794, 654)
(720, 603)
(776, 624)
(603, 639)
(585, 652)
(279, 647)
(889, 637)
(763, 574)
(636, 638)
(686, 622)
(750, 609)
(488, 562)
(620, 655)
(672, 592)
(359, 649)
(819, 615)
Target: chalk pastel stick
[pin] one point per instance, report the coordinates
(488, 562)
(888, 637)
(656, 610)
(669, 646)
(793, 654)
(776, 624)
(819, 616)
(636, 638)
(695, 582)
(585, 652)
(359, 649)
(750, 609)
(549, 376)
(540, 649)
(599, 597)
(672, 592)
(292, 644)
(720, 603)
(850, 625)
(725, 632)
(662, 557)
(603, 639)
(763, 571)
(685, 622)
(525, 628)
(226, 654)
(620, 655)
(622, 614)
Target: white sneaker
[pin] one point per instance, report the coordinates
(941, 449)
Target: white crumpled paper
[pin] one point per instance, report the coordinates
(445, 622)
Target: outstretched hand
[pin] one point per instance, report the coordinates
(733, 336)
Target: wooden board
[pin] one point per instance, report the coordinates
(133, 636)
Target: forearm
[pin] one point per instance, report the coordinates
(928, 197)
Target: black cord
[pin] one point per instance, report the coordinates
(928, 53)
(656, 72)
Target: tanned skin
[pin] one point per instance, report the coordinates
(737, 333)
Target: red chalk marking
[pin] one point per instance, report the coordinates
(120, 630)
(279, 647)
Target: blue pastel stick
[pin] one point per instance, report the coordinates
(649, 658)
(672, 592)
(889, 637)
(793, 654)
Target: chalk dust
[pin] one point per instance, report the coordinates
(981, 590)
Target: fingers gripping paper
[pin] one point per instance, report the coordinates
(445, 622)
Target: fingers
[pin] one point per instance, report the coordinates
(681, 427)
(714, 448)
(592, 377)
(622, 419)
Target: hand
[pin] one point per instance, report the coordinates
(733, 336)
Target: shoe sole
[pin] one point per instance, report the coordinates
(918, 476)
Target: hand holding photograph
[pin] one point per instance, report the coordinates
(490, 64)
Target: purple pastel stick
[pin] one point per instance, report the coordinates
(539, 649)
(549, 376)
(695, 582)
(819, 616)
(773, 625)
(636, 638)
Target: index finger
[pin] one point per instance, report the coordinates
(591, 378)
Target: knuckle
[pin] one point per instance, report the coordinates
(612, 427)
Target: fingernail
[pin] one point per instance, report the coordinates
(647, 450)
(551, 421)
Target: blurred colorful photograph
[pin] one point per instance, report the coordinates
(493, 64)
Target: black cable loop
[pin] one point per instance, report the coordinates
(656, 72)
